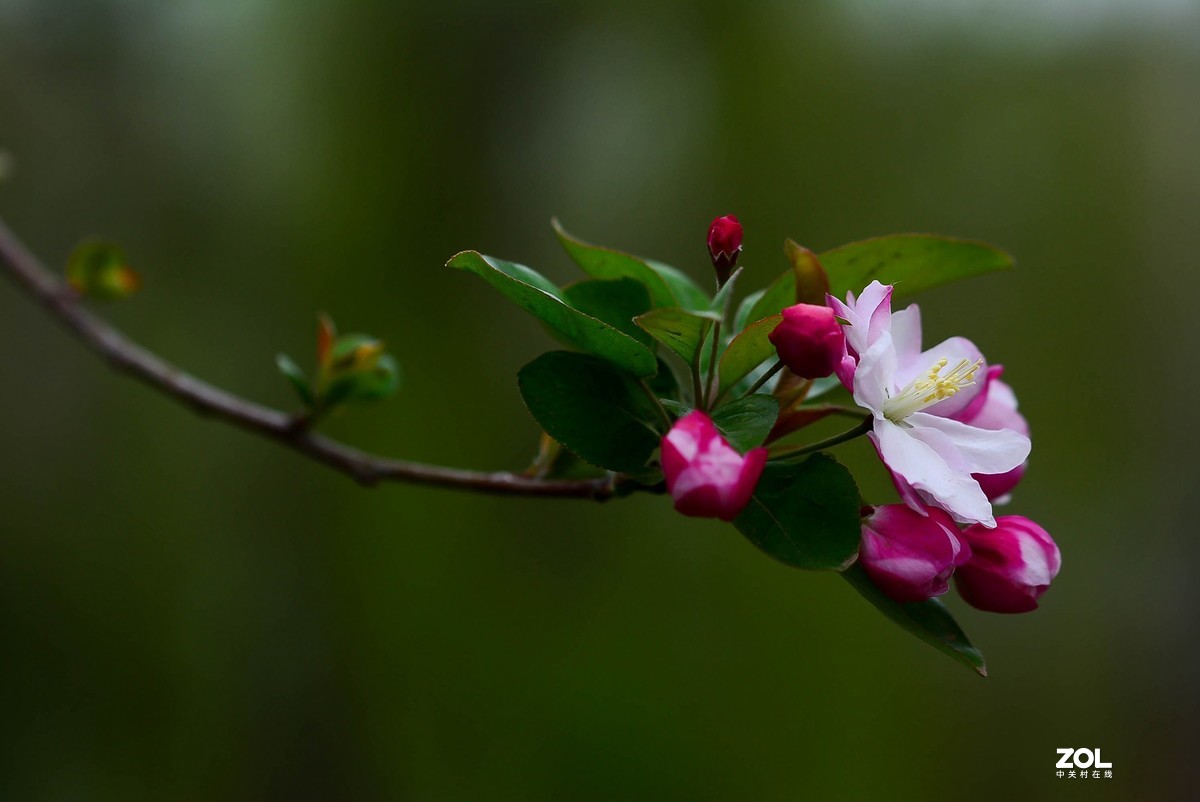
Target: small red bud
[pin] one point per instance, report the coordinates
(724, 245)
(809, 340)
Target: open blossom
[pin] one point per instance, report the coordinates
(1010, 567)
(706, 476)
(910, 555)
(915, 397)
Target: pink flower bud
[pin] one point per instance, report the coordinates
(705, 475)
(1010, 566)
(911, 556)
(809, 340)
(724, 245)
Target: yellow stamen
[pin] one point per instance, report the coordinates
(930, 388)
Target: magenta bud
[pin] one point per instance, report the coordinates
(724, 245)
(809, 340)
(1010, 566)
(705, 475)
(910, 556)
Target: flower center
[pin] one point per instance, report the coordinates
(927, 389)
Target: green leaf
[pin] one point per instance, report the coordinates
(677, 408)
(747, 351)
(686, 292)
(664, 384)
(779, 294)
(591, 408)
(720, 301)
(100, 270)
(292, 372)
(538, 296)
(745, 423)
(666, 285)
(349, 350)
(373, 382)
(606, 263)
(806, 282)
(913, 262)
(928, 620)
(746, 307)
(679, 329)
(805, 515)
(616, 302)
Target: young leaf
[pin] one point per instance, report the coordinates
(678, 329)
(720, 301)
(805, 515)
(812, 283)
(805, 283)
(292, 372)
(616, 302)
(913, 262)
(538, 296)
(745, 423)
(688, 295)
(747, 351)
(742, 316)
(373, 383)
(928, 620)
(100, 270)
(591, 408)
(666, 285)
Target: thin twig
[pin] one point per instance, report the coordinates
(712, 365)
(697, 392)
(766, 377)
(662, 412)
(858, 431)
(126, 356)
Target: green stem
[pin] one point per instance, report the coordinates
(712, 364)
(821, 445)
(662, 413)
(697, 393)
(766, 377)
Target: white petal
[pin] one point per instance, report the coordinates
(981, 450)
(924, 467)
(906, 334)
(874, 376)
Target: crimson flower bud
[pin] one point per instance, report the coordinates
(1010, 566)
(910, 556)
(724, 245)
(705, 475)
(809, 340)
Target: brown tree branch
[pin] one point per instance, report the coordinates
(126, 356)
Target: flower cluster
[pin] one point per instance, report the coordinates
(941, 420)
(664, 385)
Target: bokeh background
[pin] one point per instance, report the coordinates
(192, 613)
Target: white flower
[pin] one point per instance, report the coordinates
(912, 394)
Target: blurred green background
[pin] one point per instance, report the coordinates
(193, 613)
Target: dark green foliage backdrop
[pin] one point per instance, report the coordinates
(191, 613)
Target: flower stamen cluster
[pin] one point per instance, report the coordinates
(927, 390)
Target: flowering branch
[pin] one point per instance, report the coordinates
(128, 357)
(946, 428)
